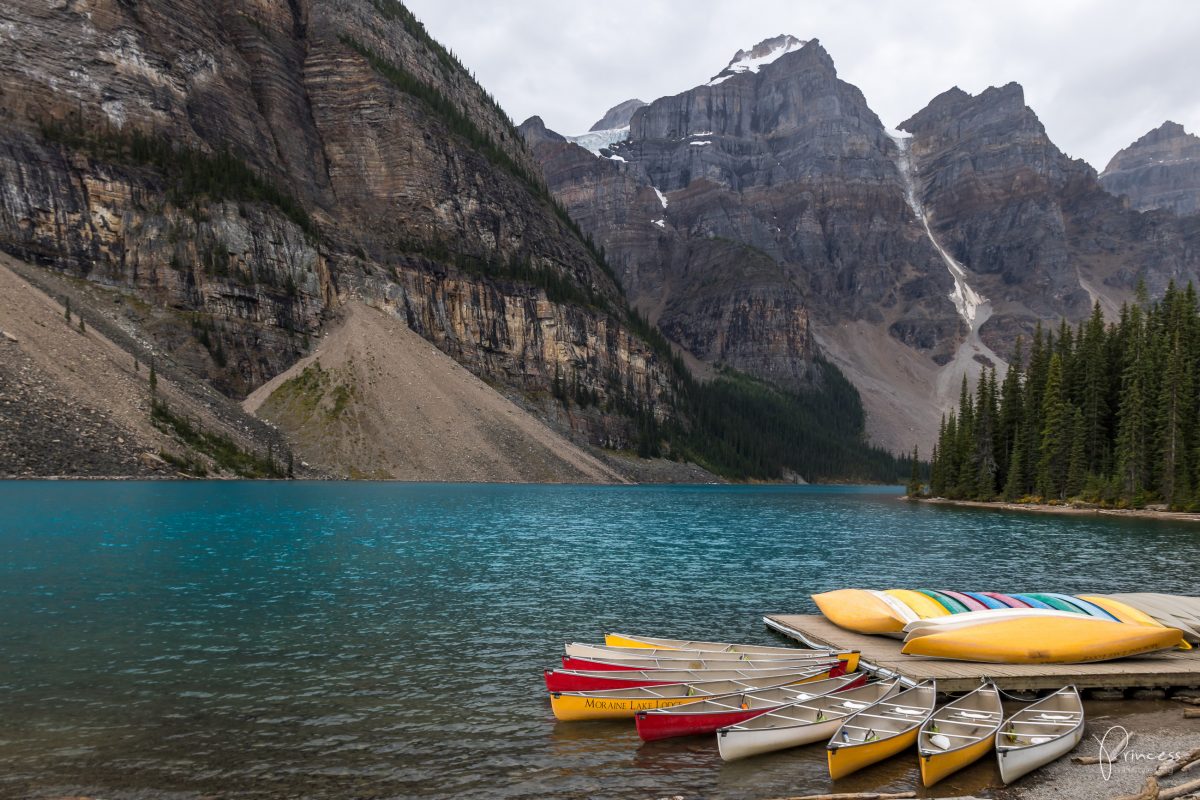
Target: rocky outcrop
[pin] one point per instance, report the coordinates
(618, 116)
(1159, 170)
(1043, 237)
(365, 163)
(747, 215)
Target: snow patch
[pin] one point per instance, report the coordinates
(615, 157)
(595, 141)
(745, 61)
(698, 144)
(965, 299)
(662, 198)
(660, 223)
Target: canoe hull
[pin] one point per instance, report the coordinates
(1044, 640)
(569, 681)
(936, 766)
(665, 726)
(573, 708)
(1016, 763)
(846, 760)
(737, 744)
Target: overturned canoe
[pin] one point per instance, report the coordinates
(862, 611)
(926, 627)
(922, 605)
(1044, 640)
(706, 716)
(1039, 734)
(880, 731)
(625, 703)
(803, 722)
(567, 680)
(959, 733)
(1127, 613)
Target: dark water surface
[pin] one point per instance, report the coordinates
(270, 640)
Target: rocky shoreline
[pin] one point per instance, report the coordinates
(1076, 510)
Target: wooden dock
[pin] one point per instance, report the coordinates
(881, 655)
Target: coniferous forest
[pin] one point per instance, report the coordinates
(1101, 413)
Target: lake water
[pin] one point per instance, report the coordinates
(328, 640)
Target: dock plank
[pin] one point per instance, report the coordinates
(1172, 669)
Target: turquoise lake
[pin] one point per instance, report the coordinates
(368, 640)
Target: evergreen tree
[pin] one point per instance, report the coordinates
(1009, 417)
(1055, 447)
(914, 477)
(1077, 460)
(1014, 485)
(1176, 416)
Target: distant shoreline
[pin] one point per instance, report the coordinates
(1069, 510)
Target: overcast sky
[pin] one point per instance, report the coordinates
(1099, 74)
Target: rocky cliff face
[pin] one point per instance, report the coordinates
(769, 212)
(618, 116)
(755, 215)
(1041, 234)
(1159, 170)
(365, 162)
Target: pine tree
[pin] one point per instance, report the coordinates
(1054, 449)
(1176, 412)
(1014, 486)
(67, 309)
(1077, 461)
(914, 478)
(1009, 417)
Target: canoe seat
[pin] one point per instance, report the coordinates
(908, 712)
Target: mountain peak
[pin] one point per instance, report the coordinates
(618, 116)
(765, 52)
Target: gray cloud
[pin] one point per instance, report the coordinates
(1098, 73)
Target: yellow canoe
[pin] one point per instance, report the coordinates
(859, 610)
(924, 605)
(625, 703)
(959, 734)
(1127, 613)
(1044, 640)
(880, 731)
(652, 642)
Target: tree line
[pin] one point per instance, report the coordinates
(1100, 413)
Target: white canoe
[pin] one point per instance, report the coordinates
(602, 652)
(1039, 733)
(805, 722)
(925, 627)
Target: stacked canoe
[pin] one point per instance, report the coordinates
(758, 699)
(1018, 628)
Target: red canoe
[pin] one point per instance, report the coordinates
(707, 716)
(562, 680)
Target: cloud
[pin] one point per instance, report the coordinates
(1099, 73)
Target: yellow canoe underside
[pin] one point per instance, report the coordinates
(924, 606)
(1127, 613)
(1044, 640)
(858, 610)
(936, 766)
(849, 759)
